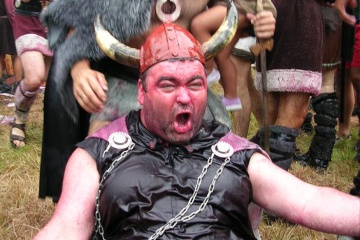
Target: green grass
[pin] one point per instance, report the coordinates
(22, 213)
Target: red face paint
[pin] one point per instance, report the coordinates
(174, 101)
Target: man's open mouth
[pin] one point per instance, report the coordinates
(182, 122)
(182, 118)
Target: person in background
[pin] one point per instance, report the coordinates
(352, 82)
(325, 105)
(354, 75)
(243, 59)
(293, 70)
(35, 55)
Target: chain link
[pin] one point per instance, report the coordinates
(98, 227)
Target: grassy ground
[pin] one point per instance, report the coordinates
(22, 214)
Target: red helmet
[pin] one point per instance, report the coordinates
(169, 41)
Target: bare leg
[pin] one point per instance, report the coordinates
(227, 67)
(328, 78)
(18, 73)
(17, 70)
(344, 124)
(293, 108)
(35, 71)
(256, 102)
(355, 79)
(257, 106)
(244, 78)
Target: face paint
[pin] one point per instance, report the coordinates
(175, 100)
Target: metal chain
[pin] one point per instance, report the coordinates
(98, 227)
(180, 216)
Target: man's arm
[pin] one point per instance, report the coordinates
(74, 214)
(319, 208)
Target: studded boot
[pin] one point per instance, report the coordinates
(326, 111)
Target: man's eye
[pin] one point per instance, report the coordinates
(167, 86)
(196, 85)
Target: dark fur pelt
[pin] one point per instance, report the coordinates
(122, 18)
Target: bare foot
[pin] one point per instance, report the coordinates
(17, 136)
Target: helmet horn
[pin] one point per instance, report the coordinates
(113, 48)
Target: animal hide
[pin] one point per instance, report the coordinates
(124, 19)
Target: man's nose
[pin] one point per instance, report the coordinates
(183, 95)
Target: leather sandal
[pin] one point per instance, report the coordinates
(14, 137)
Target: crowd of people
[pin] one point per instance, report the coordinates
(150, 137)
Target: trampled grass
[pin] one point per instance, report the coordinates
(22, 213)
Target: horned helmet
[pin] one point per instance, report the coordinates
(167, 41)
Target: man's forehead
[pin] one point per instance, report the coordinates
(170, 64)
(184, 69)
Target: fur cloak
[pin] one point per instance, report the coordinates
(124, 19)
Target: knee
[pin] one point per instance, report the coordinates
(33, 81)
(32, 85)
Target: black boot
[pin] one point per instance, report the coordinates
(282, 145)
(326, 111)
